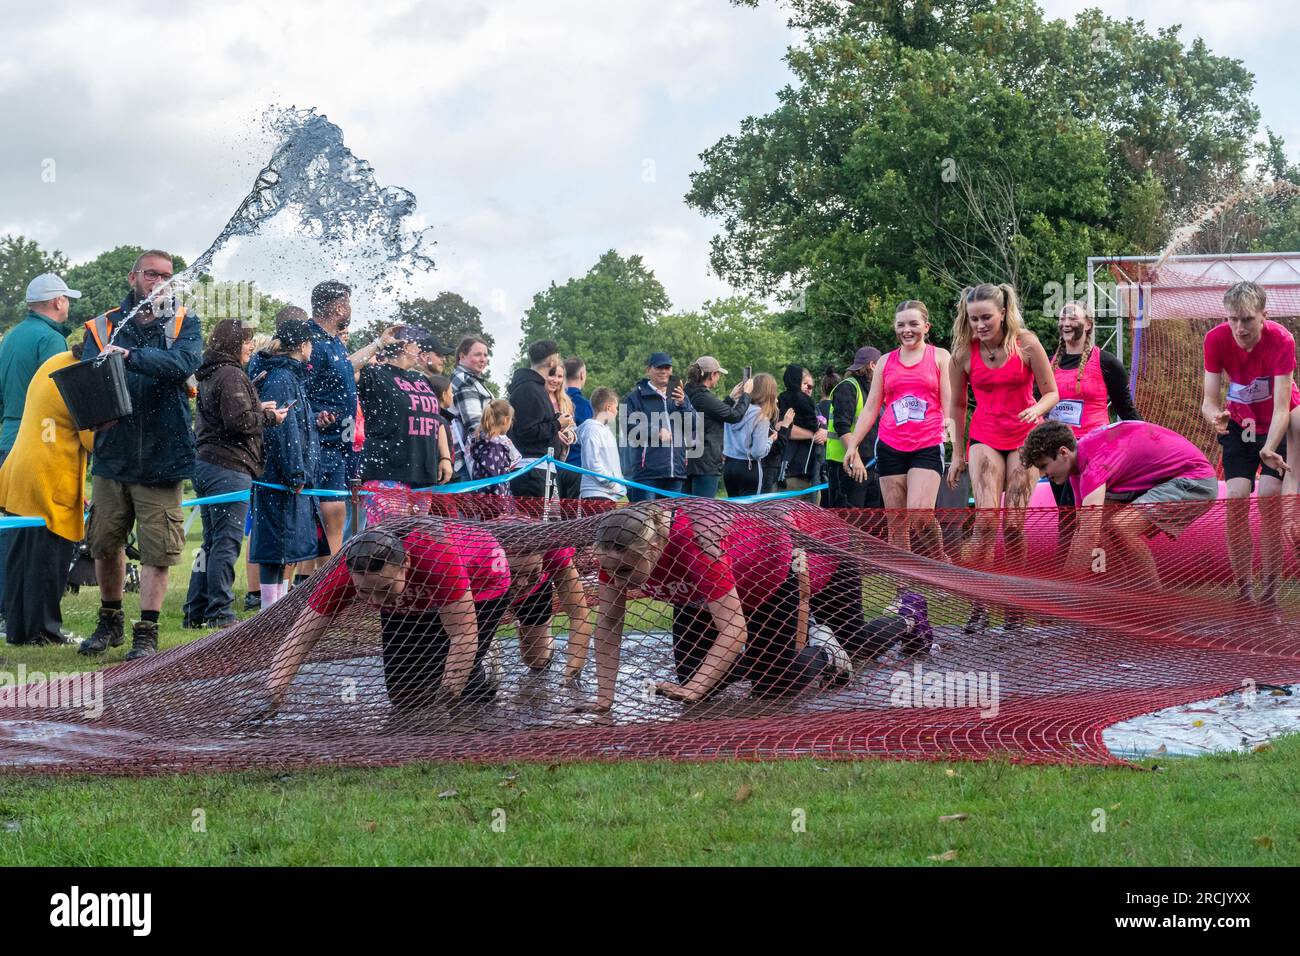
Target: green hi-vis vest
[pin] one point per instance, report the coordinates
(835, 447)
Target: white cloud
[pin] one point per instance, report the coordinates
(520, 126)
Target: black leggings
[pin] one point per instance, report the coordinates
(742, 477)
(415, 654)
(770, 659)
(838, 606)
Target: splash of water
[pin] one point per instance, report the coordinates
(327, 194)
(1184, 234)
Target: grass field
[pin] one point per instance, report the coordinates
(1229, 810)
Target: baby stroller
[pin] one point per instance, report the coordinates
(81, 573)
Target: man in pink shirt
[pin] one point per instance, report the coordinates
(1129, 463)
(1257, 357)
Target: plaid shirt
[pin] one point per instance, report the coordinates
(468, 396)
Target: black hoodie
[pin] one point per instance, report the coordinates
(798, 452)
(536, 424)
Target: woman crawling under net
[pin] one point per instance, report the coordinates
(738, 595)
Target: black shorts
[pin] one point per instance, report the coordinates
(890, 461)
(535, 610)
(1000, 451)
(1241, 457)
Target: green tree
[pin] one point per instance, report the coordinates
(737, 331)
(102, 281)
(448, 316)
(928, 145)
(21, 261)
(605, 317)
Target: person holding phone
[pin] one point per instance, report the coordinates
(704, 455)
(284, 520)
(230, 419)
(658, 418)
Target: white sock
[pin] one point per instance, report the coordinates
(283, 589)
(270, 594)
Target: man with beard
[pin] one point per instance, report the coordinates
(141, 460)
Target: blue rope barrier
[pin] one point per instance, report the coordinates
(18, 521)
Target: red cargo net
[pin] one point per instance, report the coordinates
(467, 628)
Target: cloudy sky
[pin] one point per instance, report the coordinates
(535, 135)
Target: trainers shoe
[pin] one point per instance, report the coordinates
(57, 640)
(108, 633)
(840, 666)
(978, 621)
(1013, 622)
(252, 601)
(217, 624)
(144, 640)
(913, 608)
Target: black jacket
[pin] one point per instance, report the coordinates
(154, 445)
(228, 416)
(707, 460)
(536, 423)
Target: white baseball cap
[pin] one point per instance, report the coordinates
(49, 286)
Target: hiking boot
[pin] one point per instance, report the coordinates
(108, 633)
(144, 640)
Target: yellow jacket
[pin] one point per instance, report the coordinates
(45, 473)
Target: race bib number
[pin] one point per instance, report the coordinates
(1068, 411)
(1251, 392)
(909, 408)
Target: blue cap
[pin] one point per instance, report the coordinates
(658, 359)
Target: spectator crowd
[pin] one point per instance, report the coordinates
(272, 431)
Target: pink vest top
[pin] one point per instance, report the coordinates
(1083, 406)
(911, 412)
(1001, 394)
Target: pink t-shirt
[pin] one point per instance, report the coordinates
(1130, 457)
(436, 575)
(823, 526)
(1250, 374)
(553, 562)
(753, 557)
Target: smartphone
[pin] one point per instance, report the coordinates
(289, 406)
(673, 383)
(749, 373)
(260, 376)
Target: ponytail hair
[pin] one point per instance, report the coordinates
(1003, 296)
(497, 416)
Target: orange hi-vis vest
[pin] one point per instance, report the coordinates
(100, 328)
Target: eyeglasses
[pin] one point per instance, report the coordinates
(153, 275)
(664, 367)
